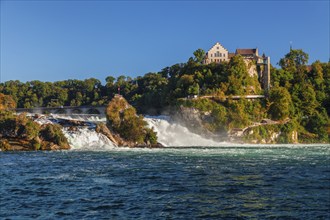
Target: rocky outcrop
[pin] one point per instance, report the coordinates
(21, 133)
(126, 127)
(265, 132)
(18, 144)
(103, 129)
(120, 142)
(196, 122)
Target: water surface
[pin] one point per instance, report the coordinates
(277, 182)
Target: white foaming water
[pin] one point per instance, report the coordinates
(173, 134)
(43, 120)
(81, 117)
(85, 139)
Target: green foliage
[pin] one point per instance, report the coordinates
(53, 133)
(308, 88)
(263, 134)
(280, 103)
(150, 136)
(24, 128)
(18, 126)
(294, 60)
(199, 55)
(240, 82)
(237, 116)
(316, 124)
(122, 119)
(287, 130)
(217, 112)
(36, 143)
(28, 130)
(7, 123)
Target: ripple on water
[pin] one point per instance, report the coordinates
(209, 183)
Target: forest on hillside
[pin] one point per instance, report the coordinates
(299, 92)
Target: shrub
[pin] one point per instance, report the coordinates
(4, 145)
(122, 119)
(53, 133)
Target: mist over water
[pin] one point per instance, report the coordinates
(173, 134)
(169, 133)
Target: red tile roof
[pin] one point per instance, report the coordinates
(246, 51)
(230, 55)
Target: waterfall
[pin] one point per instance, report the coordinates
(81, 117)
(81, 138)
(86, 139)
(173, 134)
(170, 134)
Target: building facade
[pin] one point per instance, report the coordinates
(219, 54)
(216, 54)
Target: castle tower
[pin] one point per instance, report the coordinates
(266, 73)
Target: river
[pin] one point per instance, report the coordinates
(218, 182)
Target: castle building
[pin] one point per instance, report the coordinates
(219, 54)
(216, 54)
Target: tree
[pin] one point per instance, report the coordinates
(199, 55)
(6, 102)
(110, 81)
(293, 60)
(122, 119)
(280, 103)
(239, 80)
(317, 79)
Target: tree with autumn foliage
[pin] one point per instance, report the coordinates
(6, 102)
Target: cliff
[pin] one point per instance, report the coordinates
(264, 132)
(126, 127)
(18, 132)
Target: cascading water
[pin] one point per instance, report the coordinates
(173, 134)
(81, 138)
(86, 139)
(81, 117)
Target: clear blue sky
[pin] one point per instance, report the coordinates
(58, 40)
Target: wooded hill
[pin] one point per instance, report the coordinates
(299, 92)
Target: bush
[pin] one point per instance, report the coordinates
(4, 145)
(7, 124)
(53, 133)
(6, 102)
(36, 143)
(29, 130)
(122, 119)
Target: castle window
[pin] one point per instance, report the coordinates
(224, 55)
(220, 54)
(218, 48)
(211, 55)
